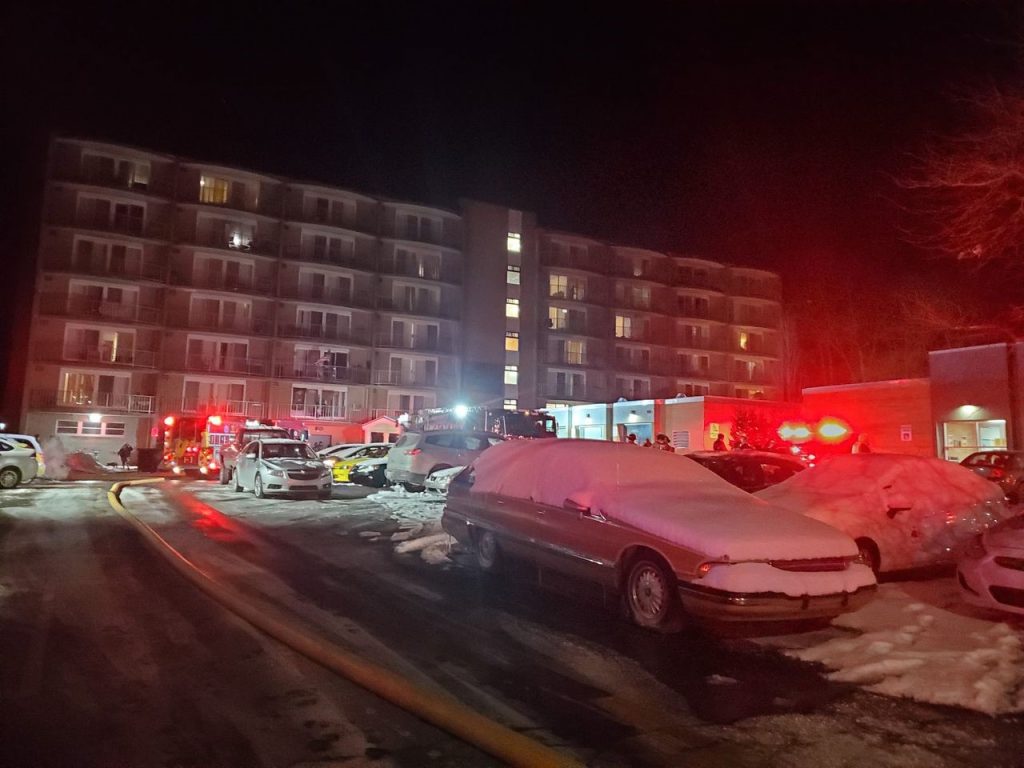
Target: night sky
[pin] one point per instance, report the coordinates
(763, 133)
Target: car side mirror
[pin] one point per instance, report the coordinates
(575, 506)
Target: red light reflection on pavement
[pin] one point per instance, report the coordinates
(211, 522)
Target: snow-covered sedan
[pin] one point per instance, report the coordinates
(281, 466)
(991, 571)
(903, 511)
(662, 531)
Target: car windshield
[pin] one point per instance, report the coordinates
(287, 451)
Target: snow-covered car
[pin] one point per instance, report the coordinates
(991, 570)
(750, 470)
(660, 530)
(440, 479)
(281, 466)
(903, 511)
(370, 473)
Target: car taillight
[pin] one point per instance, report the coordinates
(998, 474)
(413, 452)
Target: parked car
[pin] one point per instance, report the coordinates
(665, 533)
(370, 473)
(903, 511)
(341, 467)
(1003, 467)
(332, 453)
(30, 442)
(750, 470)
(440, 479)
(417, 454)
(991, 570)
(230, 452)
(17, 464)
(281, 466)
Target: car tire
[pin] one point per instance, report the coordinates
(413, 488)
(257, 487)
(650, 594)
(238, 485)
(487, 552)
(867, 553)
(9, 478)
(225, 475)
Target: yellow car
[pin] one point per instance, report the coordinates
(341, 467)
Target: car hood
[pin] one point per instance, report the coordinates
(720, 525)
(291, 464)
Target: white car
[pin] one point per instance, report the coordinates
(440, 479)
(281, 466)
(17, 464)
(991, 571)
(903, 511)
(28, 441)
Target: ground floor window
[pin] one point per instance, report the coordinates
(90, 428)
(962, 438)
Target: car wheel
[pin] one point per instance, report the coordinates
(413, 488)
(487, 551)
(867, 553)
(9, 478)
(257, 487)
(651, 594)
(225, 475)
(238, 484)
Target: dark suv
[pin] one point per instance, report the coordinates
(750, 470)
(1003, 467)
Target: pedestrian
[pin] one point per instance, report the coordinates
(125, 452)
(862, 445)
(631, 438)
(664, 443)
(647, 442)
(719, 443)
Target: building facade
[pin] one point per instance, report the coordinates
(166, 285)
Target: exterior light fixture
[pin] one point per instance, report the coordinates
(461, 411)
(95, 418)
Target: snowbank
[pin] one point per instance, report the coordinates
(420, 517)
(660, 493)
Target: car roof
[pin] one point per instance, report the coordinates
(279, 441)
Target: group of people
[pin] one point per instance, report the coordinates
(661, 441)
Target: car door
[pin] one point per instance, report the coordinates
(576, 540)
(247, 464)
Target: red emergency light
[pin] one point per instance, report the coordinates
(794, 432)
(216, 420)
(832, 430)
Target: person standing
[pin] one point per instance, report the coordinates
(862, 445)
(125, 452)
(631, 438)
(664, 443)
(720, 443)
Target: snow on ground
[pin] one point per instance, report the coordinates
(918, 640)
(419, 515)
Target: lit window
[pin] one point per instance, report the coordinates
(512, 274)
(558, 286)
(511, 374)
(511, 307)
(511, 341)
(558, 318)
(744, 340)
(623, 327)
(213, 190)
(515, 242)
(510, 404)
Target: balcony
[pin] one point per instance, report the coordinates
(759, 349)
(323, 295)
(80, 305)
(260, 286)
(76, 353)
(756, 290)
(437, 273)
(682, 341)
(321, 412)
(420, 343)
(157, 229)
(144, 270)
(574, 327)
(329, 374)
(124, 182)
(212, 363)
(327, 333)
(581, 393)
(587, 295)
(757, 320)
(335, 258)
(699, 282)
(653, 274)
(412, 379)
(107, 401)
(234, 242)
(244, 326)
(649, 367)
(584, 360)
(414, 307)
(247, 408)
(555, 258)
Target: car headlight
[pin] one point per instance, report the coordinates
(976, 548)
(275, 472)
(330, 462)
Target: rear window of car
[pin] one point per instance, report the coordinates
(473, 443)
(405, 439)
(6, 446)
(441, 441)
(23, 443)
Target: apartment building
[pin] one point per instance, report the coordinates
(170, 286)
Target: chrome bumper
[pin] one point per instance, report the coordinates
(769, 606)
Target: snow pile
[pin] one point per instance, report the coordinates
(663, 494)
(421, 514)
(906, 646)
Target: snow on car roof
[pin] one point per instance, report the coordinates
(660, 493)
(277, 440)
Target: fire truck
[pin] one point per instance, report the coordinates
(522, 423)
(208, 445)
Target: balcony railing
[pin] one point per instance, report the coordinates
(421, 271)
(323, 411)
(327, 296)
(260, 326)
(333, 374)
(424, 344)
(349, 335)
(213, 363)
(134, 358)
(412, 379)
(757, 291)
(154, 229)
(350, 259)
(114, 181)
(144, 270)
(69, 399)
(580, 361)
(222, 283)
(577, 327)
(79, 305)
(247, 408)
(229, 242)
(581, 393)
(705, 283)
(555, 258)
(415, 307)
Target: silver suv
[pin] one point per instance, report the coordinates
(17, 464)
(417, 454)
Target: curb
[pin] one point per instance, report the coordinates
(445, 713)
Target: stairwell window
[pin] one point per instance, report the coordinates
(513, 274)
(511, 374)
(514, 242)
(511, 307)
(511, 341)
